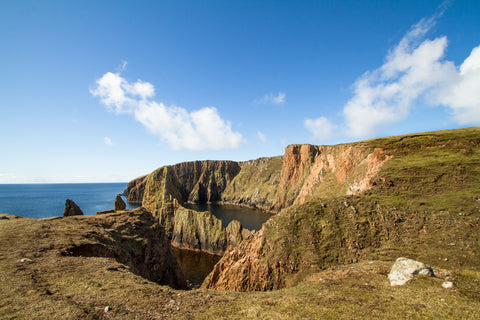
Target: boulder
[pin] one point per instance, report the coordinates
(71, 209)
(119, 203)
(404, 269)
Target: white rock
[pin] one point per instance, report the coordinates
(107, 308)
(447, 284)
(404, 269)
(26, 260)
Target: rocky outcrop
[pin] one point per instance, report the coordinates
(404, 269)
(198, 231)
(71, 209)
(256, 184)
(135, 190)
(312, 172)
(119, 203)
(198, 181)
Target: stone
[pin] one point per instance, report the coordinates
(447, 284)
(404, 269)
(107, 309)
(119, 203)
(23, 260)
(71, 209)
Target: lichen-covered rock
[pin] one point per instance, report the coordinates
(71, 209)
(236, 233)
(404, 269)
(197, 181)
(135, 190)
(119, 203)
(202, 231)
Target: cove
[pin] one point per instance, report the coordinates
(197, 265)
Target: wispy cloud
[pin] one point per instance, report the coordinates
(198, 130)
(321, 128)
(108, 141)
(414, 73)
(262, 137)
(270, 98)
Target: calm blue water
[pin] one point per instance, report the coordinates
(48, 200)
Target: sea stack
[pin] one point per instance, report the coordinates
(119, 203)
(71, 209)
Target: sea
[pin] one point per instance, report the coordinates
(48, 200)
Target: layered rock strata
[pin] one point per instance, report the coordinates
(135, 189)
(305, 172)
(198, 231)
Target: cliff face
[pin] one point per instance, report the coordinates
(310, 172)
(256, 184)
(198, 231)
(198, 181)
(422, 204)
(135, 190)
(304, 172)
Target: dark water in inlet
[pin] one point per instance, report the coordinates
(195, 265)
(251, 219)
(48, 200)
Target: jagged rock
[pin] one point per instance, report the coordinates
(135, 190)
(197, 181)
(404, 269)
(119, 203)
(202, 231)
(71, 209)
(236, 233)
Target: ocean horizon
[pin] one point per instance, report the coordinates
(42, 200)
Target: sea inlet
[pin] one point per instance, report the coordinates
(197, 265)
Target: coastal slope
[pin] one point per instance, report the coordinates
(424, 203)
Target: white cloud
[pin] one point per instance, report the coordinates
(272, 99)
(107, 141)
(321, 128)
(199, 130)
(414, 73)
(261, 136)
(462, 92)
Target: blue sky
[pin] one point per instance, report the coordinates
(99, 91)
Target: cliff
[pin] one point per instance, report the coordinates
(135, 190)
(304, 172)
(422, 203)
(198, 181)
(313, 172)
(256, 184)
(201, 231)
